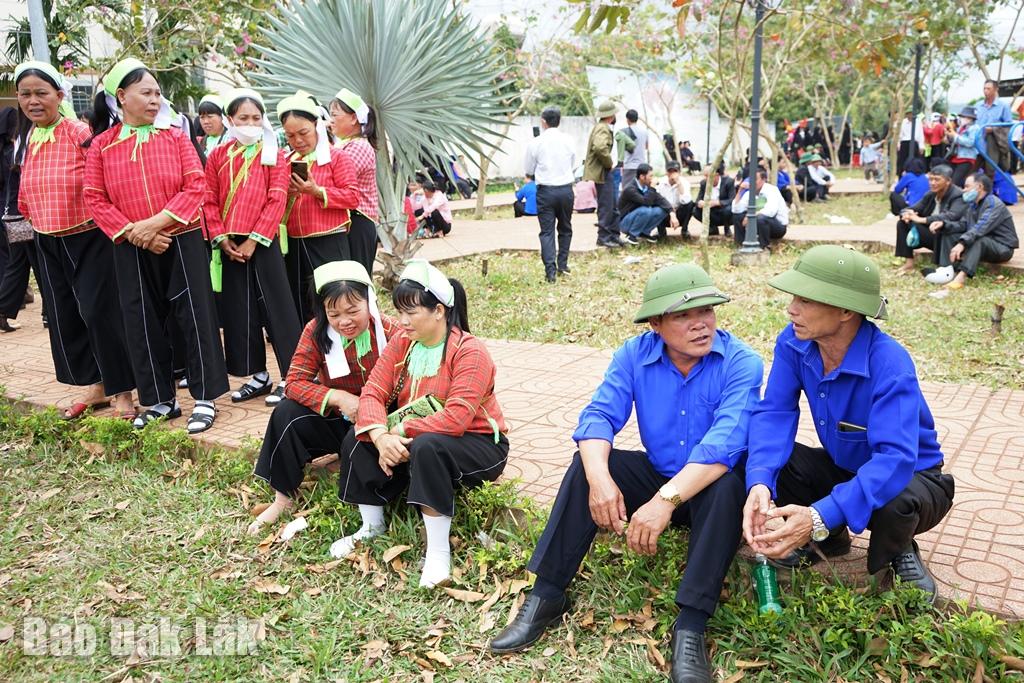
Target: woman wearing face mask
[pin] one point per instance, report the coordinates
(75, 259)
(144, 186)
(320, 194)
(355, 125)
(335, 355)
(211, 120)
(246, 192)
(441, 379)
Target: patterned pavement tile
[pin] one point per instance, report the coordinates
(976, 552)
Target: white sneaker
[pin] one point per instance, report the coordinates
(941, 276)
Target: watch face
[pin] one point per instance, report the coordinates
(819, 535)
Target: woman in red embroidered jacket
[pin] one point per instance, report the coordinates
(336, 353)
(429, 453)
(246, 192)
(76, 260)
(320, 194)
(144, 185)
(355, 125)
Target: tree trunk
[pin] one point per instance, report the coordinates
(705, 220)
(481, 190)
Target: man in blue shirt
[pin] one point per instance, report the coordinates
(526, 198)
(995, 140)
(693, 387)
(880, 467)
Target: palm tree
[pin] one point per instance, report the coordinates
(424, 67)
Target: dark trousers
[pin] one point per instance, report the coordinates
(812, 191)
(305, 255)
(607, 217)
(14, 282)
(908, 151)
(768, 228)
(787, 195)
(997, 146)
(938, 155)
(714, 517)
(897, 202)
(87, 335)
(362, 240)
(295, 435)
(810, 475)
(437, 464)
(256, 296)
(434, 222)
(982, 249)
(554, 212)
(721, 216)
(961, 171)
(928, 240)
(153, 288)
(683, 214)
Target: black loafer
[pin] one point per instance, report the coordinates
(690, 658)
(833, 546)
(529, 625)
(909, 566)
(564, 271)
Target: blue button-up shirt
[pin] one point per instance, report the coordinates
(875, 387)
(699, 418)
(997, 112)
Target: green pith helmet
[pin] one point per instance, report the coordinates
(836, 276)
(677, 288)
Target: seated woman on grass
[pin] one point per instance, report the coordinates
(453, 431)
(338, 349)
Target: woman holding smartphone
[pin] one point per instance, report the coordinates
(321, 192)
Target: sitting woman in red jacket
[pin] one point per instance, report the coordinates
(452, 434)
(330, 366)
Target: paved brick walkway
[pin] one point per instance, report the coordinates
(976, 553)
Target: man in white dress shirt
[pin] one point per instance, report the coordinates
(550, 159)
(772, 212)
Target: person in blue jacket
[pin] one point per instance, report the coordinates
(912, 185)
(526, 198)
(879, 466)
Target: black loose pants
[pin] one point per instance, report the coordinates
(714, 516)
(811, 474)
(295, 435)
(306, 254)
(554, 213)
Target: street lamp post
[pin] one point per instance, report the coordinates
(707, 144)
(751, 245)
(918, 49)
(37, 24)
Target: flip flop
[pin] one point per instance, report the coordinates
(75, 411)
(129, 417)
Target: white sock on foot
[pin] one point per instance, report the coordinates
(437, 567)
(373, 525)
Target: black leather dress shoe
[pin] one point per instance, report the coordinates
(909, 566)
(833, 546)
(550, 277)
(690, 658)
(564, 271)
(534, 617)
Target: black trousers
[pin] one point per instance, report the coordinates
(714, 516)
(437, 464)
(937, 155)
(256, 296)
(554, 213)
(14, 279)
(87, 335)
(295, 435)
(908, 151)
(927, 239)
(768, 228)
(787, 195)
(305, 255)
(961, 171)
(683, 214)
(153, 288)
(607, 216)
(810, 475)
(434, 222)
(812, 190)
(362, 240)
(982, 249)
(721, 216)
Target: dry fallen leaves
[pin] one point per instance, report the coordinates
(6, 633)
(268, 586)
(393, 552)
(465, 596)
(439, 657)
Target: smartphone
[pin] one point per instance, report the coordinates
(850, 427)
(301, 169)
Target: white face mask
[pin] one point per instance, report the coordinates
(247, 135)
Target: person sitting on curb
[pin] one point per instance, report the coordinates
(988, 235)
(813, 179)
(693, 387)
(880, 464)
(920, 224)
(772, 212)
(642, 209)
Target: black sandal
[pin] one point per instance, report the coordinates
(204, 419)
(248, 391)
(150, 415)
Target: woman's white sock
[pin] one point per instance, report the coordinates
(437, 566)
(373, 525)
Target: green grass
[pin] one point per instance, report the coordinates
(861, 209)
(150, 528)
(948, 338)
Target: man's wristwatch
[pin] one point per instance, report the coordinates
(819, 532)
(670, 493)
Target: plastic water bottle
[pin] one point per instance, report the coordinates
(766, 585)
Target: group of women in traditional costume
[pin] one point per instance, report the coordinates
(134, 236)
